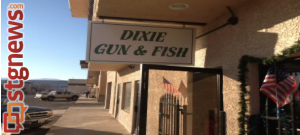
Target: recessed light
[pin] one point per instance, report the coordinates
(178, 6)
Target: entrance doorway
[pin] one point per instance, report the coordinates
(108, 94)
(180, 101)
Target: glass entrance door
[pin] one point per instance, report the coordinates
(180, 101)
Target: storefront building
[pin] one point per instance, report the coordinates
(77, 86)
(200, 97)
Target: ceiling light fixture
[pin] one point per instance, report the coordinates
(178, 6)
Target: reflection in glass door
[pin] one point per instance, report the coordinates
(180, 101)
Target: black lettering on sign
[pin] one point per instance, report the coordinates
(169, 51)
(112, 49)
(143, 36)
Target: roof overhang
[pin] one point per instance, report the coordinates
(198, 11)
(84, 64)
(93, 77)
(93, 66)
(79, 8)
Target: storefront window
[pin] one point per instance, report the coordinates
(284, 119)
(126, 96)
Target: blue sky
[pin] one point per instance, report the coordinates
(54, 42)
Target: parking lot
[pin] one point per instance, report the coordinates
(58, 106)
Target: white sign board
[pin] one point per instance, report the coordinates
(120, 43)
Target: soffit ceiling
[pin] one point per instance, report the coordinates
(92, 77)
(95, 66)
(199, 11)
(79, 8)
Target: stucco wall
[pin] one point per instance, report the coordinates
(265, 28)
(127, 75)
(102, 86)
(111, 77)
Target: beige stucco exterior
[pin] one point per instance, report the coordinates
(125, 75)
(128, 74)
(102, 86)
(111, 78)
(265, 28)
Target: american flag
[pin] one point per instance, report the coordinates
(280, 86)
(169, 87)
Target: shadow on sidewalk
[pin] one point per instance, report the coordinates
(87, 117)
(60, 100)
(88, 105)
(86, 99)
(75, 131)
(87, 102)
(35, 131)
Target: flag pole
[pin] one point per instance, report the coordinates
(277, 103)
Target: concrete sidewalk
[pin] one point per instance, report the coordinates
(87, 117)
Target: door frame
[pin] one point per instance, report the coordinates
(143, 93)
(135, 107)
(108, 95)
(118, 99)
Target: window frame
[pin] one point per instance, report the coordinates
(124, 90)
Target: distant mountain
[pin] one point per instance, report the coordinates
(46, 79)
(48, 85)
(38, 79)
(42, 84)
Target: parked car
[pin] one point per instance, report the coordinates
(57, 95)
(35, 116)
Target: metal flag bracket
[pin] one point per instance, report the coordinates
(233, 20)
